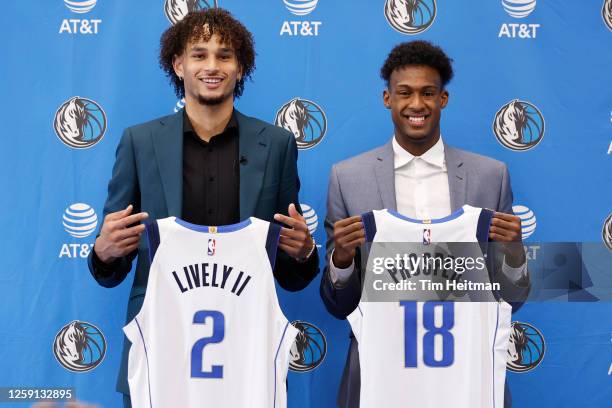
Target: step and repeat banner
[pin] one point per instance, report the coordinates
(531, 88)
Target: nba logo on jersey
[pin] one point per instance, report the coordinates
(426, 236)
(212, 244)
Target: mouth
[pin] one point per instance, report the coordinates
(416, 120)
(212, 82)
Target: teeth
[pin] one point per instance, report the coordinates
(212, 80)
(416, 119)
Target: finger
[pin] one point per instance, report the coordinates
(293, 212)
(136, 230)
(510, 234)
(350, 237)
(119, 214)
(357, 226)
(504, 216)
(131, 219)
(292, 242)
(294, 233)
(128, 249)
(129, 241)
(288, 250)
(354, 243)
(511, 225)
(347, 221)
(298, 224)
(498, 237)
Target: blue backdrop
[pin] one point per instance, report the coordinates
(552, 58)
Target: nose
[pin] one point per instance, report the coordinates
(211, 65)
(416, 102)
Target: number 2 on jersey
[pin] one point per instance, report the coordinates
(197, 351)
(410, 334)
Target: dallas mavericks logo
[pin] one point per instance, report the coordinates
(311, 218)
(519, 8)
(80, 123)
(300, 7)
(79, 346)
(526, 349)
(528, 220)
(80, 220)
(80, 6)
(606, 232)
(606, 13)
(410, 16)
(519, 125)
(305, 119)
(176, 10)
(308, 349)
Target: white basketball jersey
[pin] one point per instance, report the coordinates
(436, 353)
(210, 332)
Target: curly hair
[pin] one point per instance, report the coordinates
(418, 53)
(202, 25)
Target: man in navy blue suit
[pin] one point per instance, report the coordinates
(208, 164)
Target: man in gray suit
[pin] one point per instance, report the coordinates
(418, 175)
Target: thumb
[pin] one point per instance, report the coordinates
(293, 212)
(128, 210)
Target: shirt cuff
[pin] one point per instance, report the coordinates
(101, 268)
(339, 276)
(514, 274)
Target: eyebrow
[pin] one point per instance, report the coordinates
(198, 48)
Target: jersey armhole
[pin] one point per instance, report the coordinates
(272, 242)
(484, 224)
(369, 225)
(152, 229)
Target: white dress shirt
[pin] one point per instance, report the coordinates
(421, 192)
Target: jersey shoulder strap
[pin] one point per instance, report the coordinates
(272, 242)
(152, 229)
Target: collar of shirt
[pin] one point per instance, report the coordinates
(232, 126)
(434, 156)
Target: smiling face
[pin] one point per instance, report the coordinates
(416, 98)
(209, 70)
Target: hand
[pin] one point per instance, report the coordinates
(348, 235)
(506, 228)
(116, 238)
(296, 240)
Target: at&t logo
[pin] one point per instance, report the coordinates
(298, 27)
(526, 348)
(519, 125)
(309, 214)
(528, 220)
(308, 349)
(176, 10)
(80, 221)
(305, 119)
(80, 123)
(79, 346)
(518, 9)
(410, 16)
(78, 25)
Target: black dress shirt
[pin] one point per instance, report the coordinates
(211, 177)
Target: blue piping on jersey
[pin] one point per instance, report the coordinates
(493, 350)
(452, 216)
(275, 358)
(220, 229)
(360, 311)
(147, 357)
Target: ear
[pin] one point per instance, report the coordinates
(444, 98)
(386, 99)
(177, 64)
(239, 76)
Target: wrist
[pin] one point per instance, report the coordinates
(339, 262)
(310, 251)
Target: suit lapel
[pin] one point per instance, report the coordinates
(457, 177)
(253, 155)
(385, 176)
(168, 147)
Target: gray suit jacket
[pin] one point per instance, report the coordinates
(367, 182)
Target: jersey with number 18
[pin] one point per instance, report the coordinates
(436, 353)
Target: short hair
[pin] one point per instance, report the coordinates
(418, 53)
(219, 21)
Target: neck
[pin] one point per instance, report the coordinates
(209, 120)
(417, 148)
